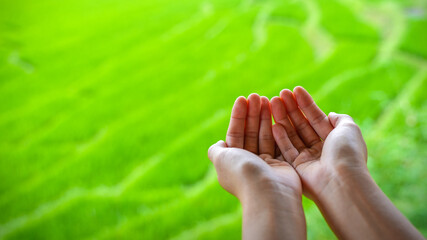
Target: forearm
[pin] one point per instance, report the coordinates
(273, 215)
(356, 208)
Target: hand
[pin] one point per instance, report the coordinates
(321, 148)
(269, 189)
(333, 170)
(245, 163)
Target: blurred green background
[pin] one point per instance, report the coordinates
(107, 108)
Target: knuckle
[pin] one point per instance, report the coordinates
(210, 152)
(249, 168)
(292, 134)
(300, 125)
(348, 116)
(313, 142)
(265, 156)
(267, 137)
(351, 125)
(234, 134)
(253, 148)
(318, 119)
(216, 156)
(251, 134)
(286, 149)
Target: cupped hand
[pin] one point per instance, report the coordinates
(245, 163)
(321, 148)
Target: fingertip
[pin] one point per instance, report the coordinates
(210, 151)
(240, 100)
(333, 118)
(285, 92)
(287, 95)
(275, 99)
(332, 115)
(289, 100)
(300, 92)
(240, 107)
(264, 100)
(253, 96)
(277, 108)
(218, 145)
(302, 97)
(265, 108)
(222, 144)
(299, 89)
(254, 106)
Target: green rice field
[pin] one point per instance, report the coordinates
(107, 108)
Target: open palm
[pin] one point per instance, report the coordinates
(250, 135)
(299, 132)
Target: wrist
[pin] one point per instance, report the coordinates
(267, 191)
(273, 200)
(348, 201)
(356, 208)
(343, 173)
(346, 182)
(276, 210)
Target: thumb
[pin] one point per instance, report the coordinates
(338, 119)
(216, 149)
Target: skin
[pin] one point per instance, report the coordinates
(246, 168)
(323, 156)
(300, 140)
(330, 155)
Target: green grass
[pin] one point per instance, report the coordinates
(107, 108)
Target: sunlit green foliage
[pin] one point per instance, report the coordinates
(107, 108)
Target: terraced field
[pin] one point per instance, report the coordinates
(107, 108)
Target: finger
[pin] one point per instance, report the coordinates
(340, 119)
(252, 123)
(280, 116)
(236, 129)
(266, 140)
(272, 161)
(288, 150)
(305, 131)
(317, 118)
(345, 121)
(215, 150)
(277, 152)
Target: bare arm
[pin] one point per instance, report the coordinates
(356, 208)
(268, 188)
(276, 214)
(339, 181)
